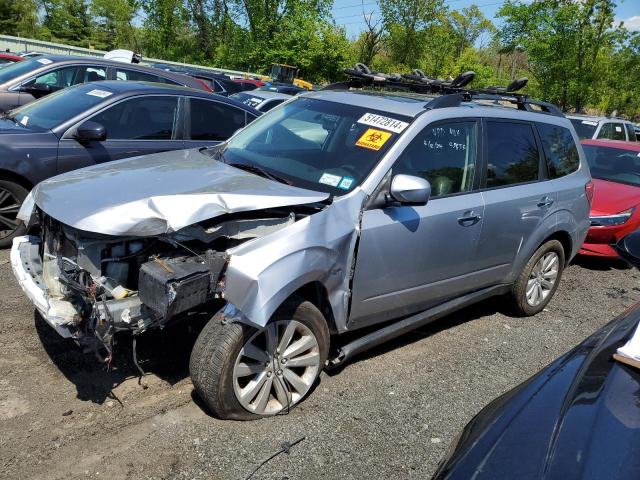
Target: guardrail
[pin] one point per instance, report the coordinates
(20, 44)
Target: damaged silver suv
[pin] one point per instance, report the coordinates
(333, 212)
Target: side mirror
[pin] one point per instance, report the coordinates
(629, 248)
(91, 132)
(410, 190)
(37, 89)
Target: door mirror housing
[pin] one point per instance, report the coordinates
(37, 89)
(410, 190)
(91, 132)
(629, 248)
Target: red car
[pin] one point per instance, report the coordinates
(249, 83)
(9, 58)
(615, 212)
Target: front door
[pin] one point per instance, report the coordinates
(135, 126)
(412, 257)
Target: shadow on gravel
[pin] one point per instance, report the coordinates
(165, 353)
(601, 264)
(484, 308)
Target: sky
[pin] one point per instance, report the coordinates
(349, 12)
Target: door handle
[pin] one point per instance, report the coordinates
(469, 218)
(545, 202)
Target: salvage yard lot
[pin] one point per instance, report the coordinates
(388, 414)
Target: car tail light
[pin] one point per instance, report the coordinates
(589, 189)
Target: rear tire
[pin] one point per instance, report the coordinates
(224, 368)
(539, 279)
(11, 197)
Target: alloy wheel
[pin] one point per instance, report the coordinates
(9, 206)
(276, 367)
(542, 278)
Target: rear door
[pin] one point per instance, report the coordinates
(516, 194)
(412, 257)
(209, 122)
(135, 126)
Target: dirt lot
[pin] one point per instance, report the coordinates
(389, 414)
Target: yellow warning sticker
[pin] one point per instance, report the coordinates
(373, 139)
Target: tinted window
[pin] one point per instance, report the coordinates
(143, 118)
(214, 120)
(584, 128)
(134, 75)
(54, 109)
(617, 132)
(66, 76)
(613, 164)
(512, 154)
(444, 154)
(631, 134)
(559, 149)
(271, 104)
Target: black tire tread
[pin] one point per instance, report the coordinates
(518, 301)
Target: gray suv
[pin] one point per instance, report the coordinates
(606, 128)
(334, 212)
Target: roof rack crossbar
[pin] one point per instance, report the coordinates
(452, 93)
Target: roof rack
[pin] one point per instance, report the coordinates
(452, 93)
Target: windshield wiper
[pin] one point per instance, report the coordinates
(259, 171)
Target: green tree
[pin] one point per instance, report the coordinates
(18, 17)
(565, 41)
(68, 21)
(408, 23)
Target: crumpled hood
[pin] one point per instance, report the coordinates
(159, 193)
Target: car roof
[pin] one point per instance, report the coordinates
(62, 59)
(632, 146)
(11, 56)
(595, 118)
(264, 94)
(412, 105)
(129, 88)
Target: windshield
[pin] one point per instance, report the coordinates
(613, 164)
(14, 70)
(315, 144)
(52, 110)
(584, 128)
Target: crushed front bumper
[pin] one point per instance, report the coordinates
(27, 268)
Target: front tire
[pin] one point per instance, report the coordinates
(538, 280)
(245, 373)
(11, 197)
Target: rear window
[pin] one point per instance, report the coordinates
(613, 164)
(560, 150)
(630, 132)
(513, 155)
(584, 128)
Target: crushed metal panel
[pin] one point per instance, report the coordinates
(262, 273)
(158, 194)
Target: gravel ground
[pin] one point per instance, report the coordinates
(389, 414)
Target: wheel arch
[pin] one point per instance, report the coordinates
(565, 239)
(16, 178)
(316, 293)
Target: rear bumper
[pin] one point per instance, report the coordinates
(27, 268)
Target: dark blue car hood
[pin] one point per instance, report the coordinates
(579, 418)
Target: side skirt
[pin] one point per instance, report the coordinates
(411, 323)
